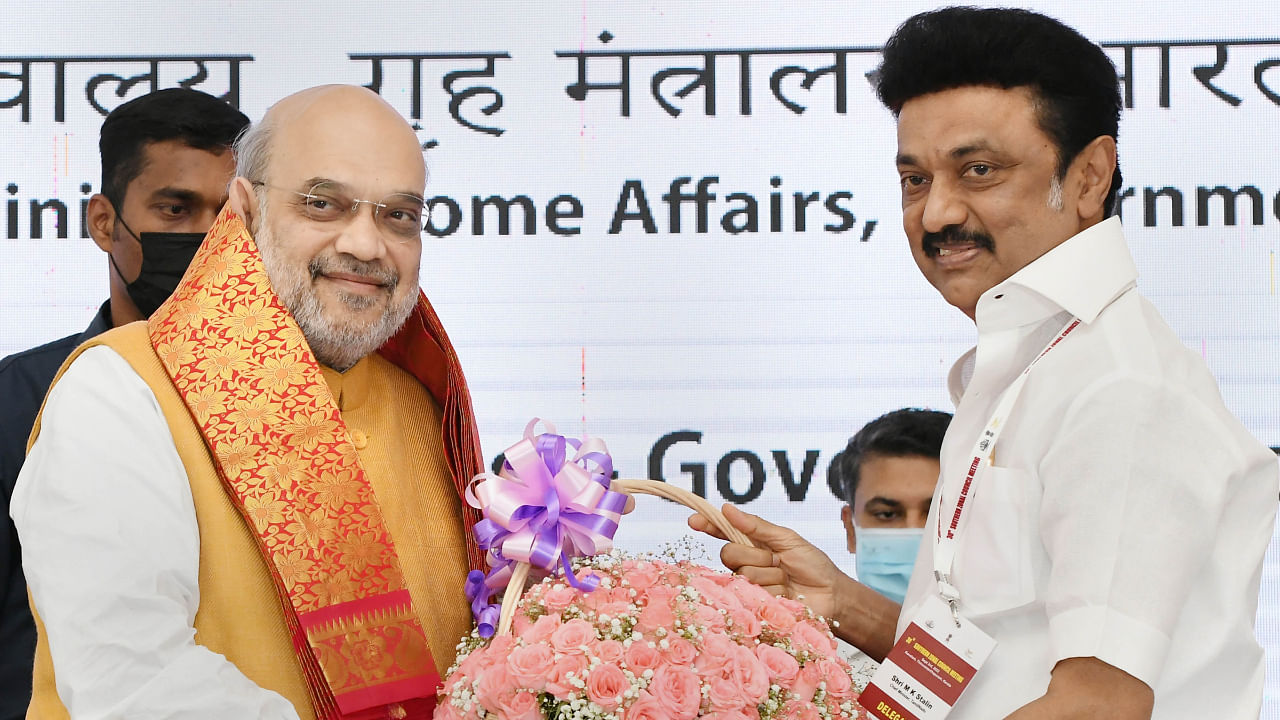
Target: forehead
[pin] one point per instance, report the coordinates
(369, 149)
(907, 478)
(173, 163)
(948, 124)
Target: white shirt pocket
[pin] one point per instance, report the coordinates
(993, 568)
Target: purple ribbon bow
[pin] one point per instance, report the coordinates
(543, 509)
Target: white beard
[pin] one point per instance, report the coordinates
(335, 343)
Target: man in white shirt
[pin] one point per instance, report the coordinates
(1114, 533)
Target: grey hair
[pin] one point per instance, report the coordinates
(1055, 193)
(253, 150)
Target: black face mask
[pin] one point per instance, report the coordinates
(165, 257)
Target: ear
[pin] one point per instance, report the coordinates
(102, 221)
(846, 516)
(1095, 166)
(244, 201)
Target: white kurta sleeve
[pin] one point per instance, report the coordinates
(1134, 490)
(111, 553)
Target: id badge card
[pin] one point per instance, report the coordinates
(930, 666)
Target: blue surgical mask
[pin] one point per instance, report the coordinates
(885, 557)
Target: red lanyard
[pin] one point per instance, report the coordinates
(944, 552)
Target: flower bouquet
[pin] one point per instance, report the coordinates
(604, 635)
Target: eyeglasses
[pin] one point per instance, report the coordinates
(398, 215)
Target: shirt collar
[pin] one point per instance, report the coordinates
(960, 375)
(1081, 276)
(350, 388)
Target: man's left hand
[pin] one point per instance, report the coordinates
(1088, 688)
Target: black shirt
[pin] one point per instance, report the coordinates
(24, 379)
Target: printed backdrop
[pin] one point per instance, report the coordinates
(675, 226)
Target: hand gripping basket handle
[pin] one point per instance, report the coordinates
(515, 586)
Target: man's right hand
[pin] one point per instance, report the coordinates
(786, 564)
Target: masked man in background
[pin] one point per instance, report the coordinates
(166, 163)
(888, 473)
(249, 506)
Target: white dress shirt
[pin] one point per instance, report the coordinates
(111, 552)
(1126, 513)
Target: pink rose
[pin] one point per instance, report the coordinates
(573, 637)
(496, 686)
(724, 694)
(749, 593)
(839, 685)
(609, 651)
(613, 602)
(779, 618)
(806, 683)
(542, 629)
(642, 576)
(605, 685)
(750, 674)
(646, 707)
(735, 714)
(708, 617)
(616, 609)
(641, 656)
(530, 665)
(714, 595)
(745, 623)
(654, 616)
(499, 648)
(664, 594)
(807, 636)
(779, 663)
(678, 691)
(469, 667)
(559, 682)
(520, 624)
(717, 650)
(680, 651)
(559, 597)
(594, 599)
(796, 607)
(495, 654)
(521, 706)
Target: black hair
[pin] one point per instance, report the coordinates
(1076, 90)
(198, 120)
(909, 432)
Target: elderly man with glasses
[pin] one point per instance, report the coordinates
(249, 505)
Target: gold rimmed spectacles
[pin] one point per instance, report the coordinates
(400, 215)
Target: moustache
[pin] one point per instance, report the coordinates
(954, 234)
(381, 274)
